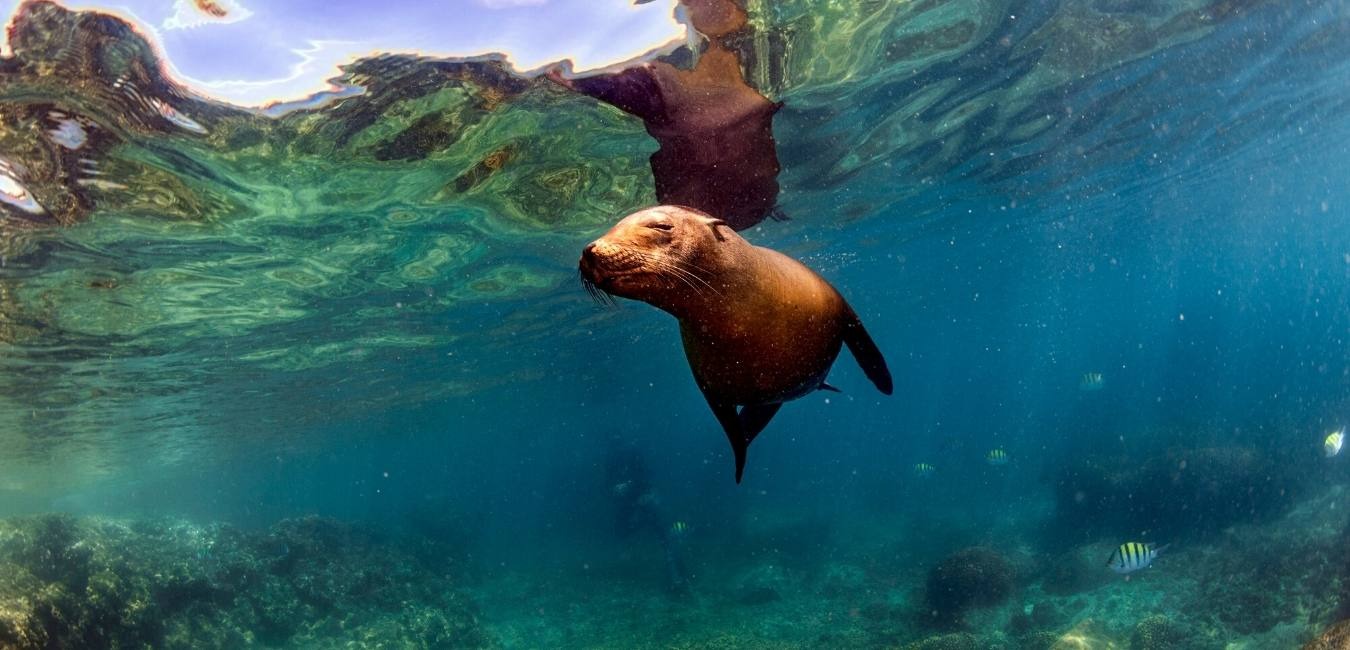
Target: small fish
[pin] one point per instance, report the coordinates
(679, 529)
(996, 457)
(1133, 556)
(1092, 381)
(924, 470)
(1335, 440)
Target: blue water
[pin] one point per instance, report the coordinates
(1181, 226)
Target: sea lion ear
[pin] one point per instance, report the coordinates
(715, 224)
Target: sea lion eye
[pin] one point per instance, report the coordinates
(660, 225)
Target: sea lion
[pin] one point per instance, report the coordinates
(759, 328)
(717, 151)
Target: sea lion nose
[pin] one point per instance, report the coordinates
(588, 256)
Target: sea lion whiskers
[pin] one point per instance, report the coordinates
(598, 295)
(678, 270)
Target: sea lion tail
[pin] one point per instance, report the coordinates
(867, 354)
(738, 447)
(742, 427)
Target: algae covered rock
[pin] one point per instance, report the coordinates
(972, 577)
(1086, 635)
(958, 641)
(1336, 637)
(70, 582)
(1160, 632)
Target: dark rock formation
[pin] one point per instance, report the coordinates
(971, 577)
(1175, 494)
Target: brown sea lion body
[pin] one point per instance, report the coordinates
(759, 327)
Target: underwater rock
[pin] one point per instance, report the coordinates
(1041, 640)
(1039, 616)
(1336, 637)
(70, 582)
(957, 641)
(1086, 635)
(1160, 632)
(972, 577)
(1182, 492)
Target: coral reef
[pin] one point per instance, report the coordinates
(972, 577)
(67, 582)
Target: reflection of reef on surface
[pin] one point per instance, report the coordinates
(311, 582)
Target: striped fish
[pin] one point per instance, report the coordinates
(1335, 440)
(924, 470)
(996, 457)
(1133, 556)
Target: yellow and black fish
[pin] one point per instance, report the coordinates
(1133, 556)
(1335, 440)
(996, 457)
(924, 470)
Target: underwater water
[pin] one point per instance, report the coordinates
(324, 376)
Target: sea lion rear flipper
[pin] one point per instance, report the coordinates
(731, 424)
(867, 354)
(741, 428)
(755, 417)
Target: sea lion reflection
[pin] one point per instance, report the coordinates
(715, 132)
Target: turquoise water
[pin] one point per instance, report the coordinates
(327, 378)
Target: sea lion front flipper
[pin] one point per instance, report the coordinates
(731, 424)
(867, 354)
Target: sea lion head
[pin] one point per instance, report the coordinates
(667, 256)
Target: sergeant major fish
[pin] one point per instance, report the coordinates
(1335, 440)
(1133, 556)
